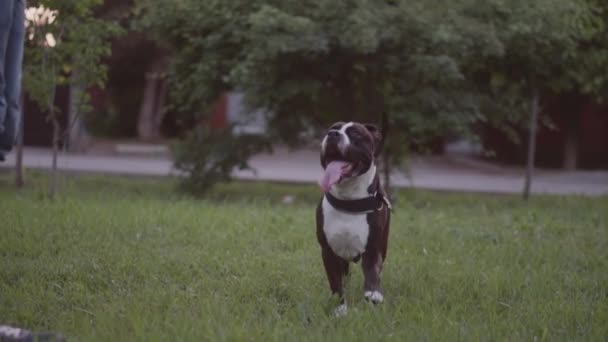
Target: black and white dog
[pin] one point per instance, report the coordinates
(353, 216)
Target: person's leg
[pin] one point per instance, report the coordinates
(12, 74)
(6, 23)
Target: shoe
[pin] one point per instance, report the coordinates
(12, 334)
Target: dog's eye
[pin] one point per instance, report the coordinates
(354, 134)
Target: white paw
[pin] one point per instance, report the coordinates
(374, 296)
(341, 310)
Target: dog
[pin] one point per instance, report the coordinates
(353, 216)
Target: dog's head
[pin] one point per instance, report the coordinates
(348, 150)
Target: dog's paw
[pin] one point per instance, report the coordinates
(374, 296)
(341, 310)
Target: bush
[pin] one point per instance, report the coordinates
(108, 123)
(208, 156)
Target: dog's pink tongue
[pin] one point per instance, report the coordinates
(332, 175)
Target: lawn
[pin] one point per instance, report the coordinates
(119, 259)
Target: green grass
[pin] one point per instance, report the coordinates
(118, 259)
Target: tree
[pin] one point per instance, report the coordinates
(539, 40)
(63, 37)
(309, 63)
(434, 68)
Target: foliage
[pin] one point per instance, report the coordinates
(591, 57)
(73, 40)
(310, 63)
(127, 259)
(109, 123)
(64, 45)
(210, 155)
(539, 40)
(538, 43)
(436, 68)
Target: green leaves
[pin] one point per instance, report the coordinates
(435, 67)
(541, 48)
(209, 155)
(81, 40)
(290, 33)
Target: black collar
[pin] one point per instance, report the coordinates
(368, 204)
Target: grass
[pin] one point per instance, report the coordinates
(119, 259)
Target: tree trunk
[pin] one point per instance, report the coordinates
(77, 136)
(19, 172)
(571, 144)
(386, 154)
(534, 111)
(159, 114)
(151, 111)
(386, 172)
(146, 129)
(56, 140)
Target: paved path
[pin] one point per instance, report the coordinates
(437, 173)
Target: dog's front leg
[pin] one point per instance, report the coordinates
(337, 270)
(372, 267)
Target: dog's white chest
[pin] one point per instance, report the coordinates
(346, 233)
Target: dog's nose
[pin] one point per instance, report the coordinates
(333, 135)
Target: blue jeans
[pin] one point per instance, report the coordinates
(12, 34)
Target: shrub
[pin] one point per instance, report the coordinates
(208, 156)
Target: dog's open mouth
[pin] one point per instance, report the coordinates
(335, 172)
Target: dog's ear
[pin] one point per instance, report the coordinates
(377, 135)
